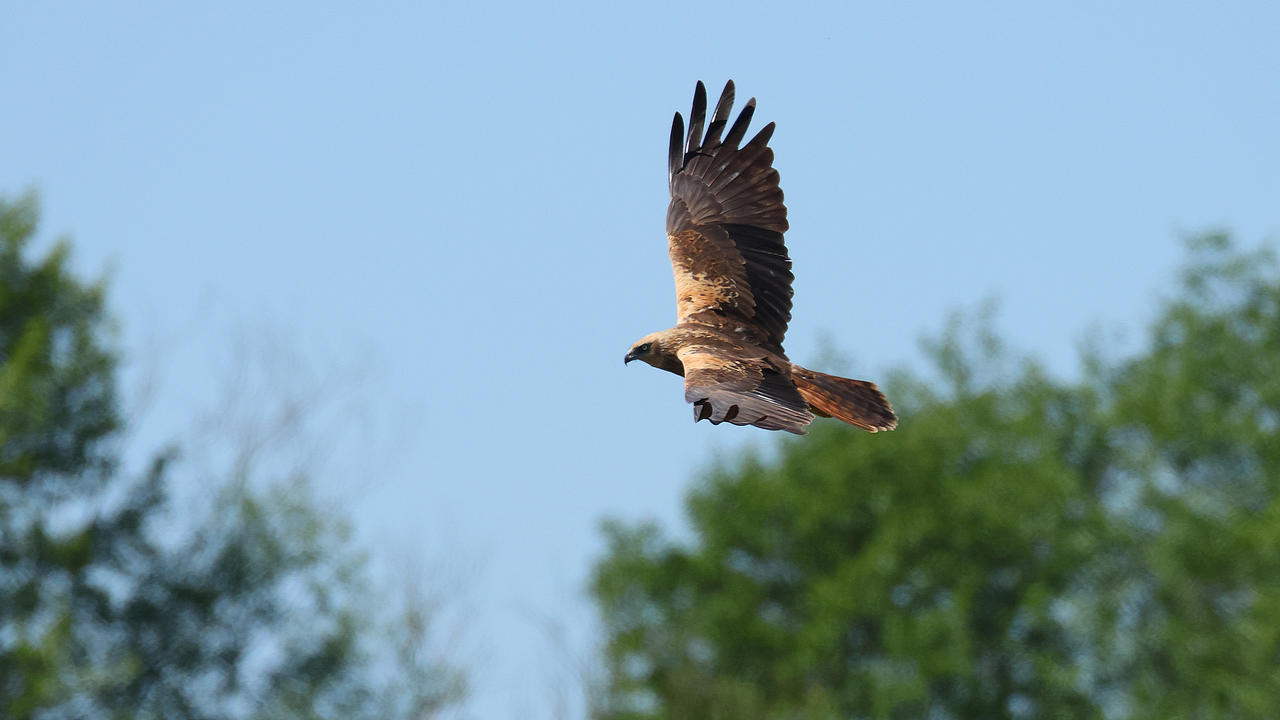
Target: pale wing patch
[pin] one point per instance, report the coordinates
(710, 275)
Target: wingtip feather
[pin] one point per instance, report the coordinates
(739, 129)
(675, 158)
(697, 118)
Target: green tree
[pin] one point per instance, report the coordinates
(1020, 547)
(112, 605)
(1197, 418)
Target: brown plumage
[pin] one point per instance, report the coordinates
(733, 286)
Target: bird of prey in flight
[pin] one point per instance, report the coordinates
(733, 286)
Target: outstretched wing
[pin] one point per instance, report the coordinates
(741, 391)
(725, 225)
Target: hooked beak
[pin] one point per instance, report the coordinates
(630, 356)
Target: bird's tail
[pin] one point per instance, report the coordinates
(856, 402)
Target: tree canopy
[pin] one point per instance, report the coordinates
(112, 605)
(1022, 546)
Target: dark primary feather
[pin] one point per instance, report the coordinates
(675, 157)
(697, 117)
(725, 200)
(721, 116)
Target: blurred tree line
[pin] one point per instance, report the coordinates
(111, 606)
(1022, 547)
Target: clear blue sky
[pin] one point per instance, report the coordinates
(467, 201)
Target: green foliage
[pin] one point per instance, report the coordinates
(1020, 547)
(57, 393)
(1199, 416)
(111, 605)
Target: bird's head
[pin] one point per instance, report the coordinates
(653, 350)
(645, 349)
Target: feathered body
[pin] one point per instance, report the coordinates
(725, 228)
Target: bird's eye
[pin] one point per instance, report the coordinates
(643, 348)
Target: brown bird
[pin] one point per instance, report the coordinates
(733, 286)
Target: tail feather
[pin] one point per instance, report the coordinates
(856, 402)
